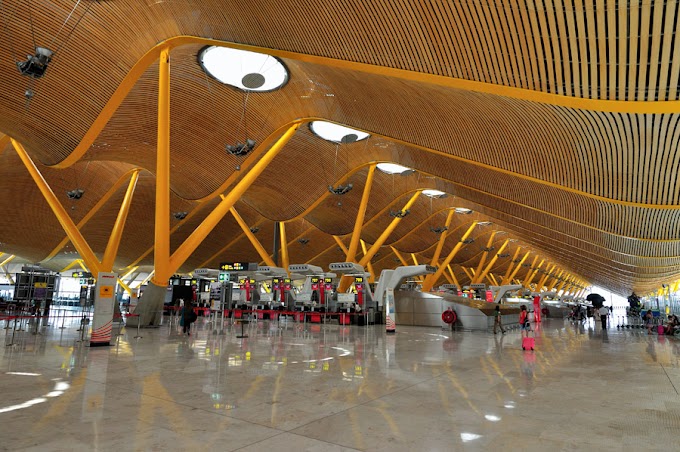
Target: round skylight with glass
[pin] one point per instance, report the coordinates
(248, 71)
(393, 168)
(434, 193)
(336, 133)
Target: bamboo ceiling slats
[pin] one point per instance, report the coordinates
(594, 191)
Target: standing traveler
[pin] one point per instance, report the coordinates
(604, 312)
(497, 320)
(187, 317)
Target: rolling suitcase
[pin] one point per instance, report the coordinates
(660, 330)
(528, 342)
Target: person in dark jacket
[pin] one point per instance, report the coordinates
(187, 316)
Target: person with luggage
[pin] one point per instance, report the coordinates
(525, 326)
(604, 312)
(524, 320)
(497, 320)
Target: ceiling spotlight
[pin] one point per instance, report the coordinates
(303, 241)
(180, 215)
(487, 249)
(503, 255)
(75, 194)
(241, 149)
(254, 229)
(341, 189)
(438, 230)
(36, 65)
(484, 223)
(400, 213)
(463, 211)
(468, 241)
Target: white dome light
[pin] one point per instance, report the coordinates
(392, 168)
(248, 71)
(434, 193)
(336, 133)
(463, 210)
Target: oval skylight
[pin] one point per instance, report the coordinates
(336, 133)
(392, 168)
(248, 71)
(434, 193)
(463, 210)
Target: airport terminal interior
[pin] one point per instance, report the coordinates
(344, 225)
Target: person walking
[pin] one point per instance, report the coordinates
(604, 312)
(524, 321)
(187, 317)
(497, 320)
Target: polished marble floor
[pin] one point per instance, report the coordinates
(292, 387)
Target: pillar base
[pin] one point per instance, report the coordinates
(150, 307)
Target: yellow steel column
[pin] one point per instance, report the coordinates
(510, 277)
(487, 269)
(125, 287)
(369, 266)
(386, 233)
(8, 260)
(284, 246)
(442, 238)
(399, 256)
(430, 280)
(64, 219)
(119, 225)
(161, 252)
(359, 222)
(555, 281)
(253, 240)
(200, 233)
(492, 279)
(478, 273)
(453, 277)
(415, 260)
(532, 274)
(341, 245)
(103, 200)
(469, 272)
(541, 282)
(511, 265)
(532, 270)
(7, 274)
(69, 266)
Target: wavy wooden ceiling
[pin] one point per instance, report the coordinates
(591, 190)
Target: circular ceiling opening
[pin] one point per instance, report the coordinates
(336, 133)
(247, 71)
(393, 168)
(434, 193)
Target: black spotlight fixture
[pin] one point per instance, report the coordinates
(438, 229)
(303, 241)
(503, 255)
(491, 248)
(254, 229)
(399, 213)
(341, 189)
(468, 241)
(36, 65)
(180, 215)
(75, 194)
(240, 149)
